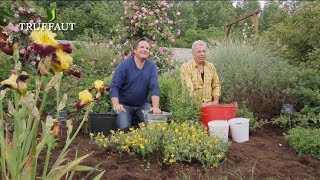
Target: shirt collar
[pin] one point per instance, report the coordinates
(194, 64)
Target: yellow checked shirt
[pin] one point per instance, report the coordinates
(205, 89)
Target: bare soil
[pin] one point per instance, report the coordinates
(266, 155)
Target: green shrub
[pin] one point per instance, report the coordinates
(252, 76)
(304, 88)
(175, 141)
(309, 120)
(182, 106)
(166, 85)
(305, 141)
(297, 35)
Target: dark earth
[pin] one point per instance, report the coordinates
(266, 155)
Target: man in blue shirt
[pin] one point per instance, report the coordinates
(131, 83)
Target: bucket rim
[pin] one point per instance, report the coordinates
(218, 122)
(238, 120)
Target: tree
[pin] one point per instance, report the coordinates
(297, 35)
(213, 13)
(269, 10)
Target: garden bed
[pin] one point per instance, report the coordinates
(266, 155)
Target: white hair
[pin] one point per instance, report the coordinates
(198, 43)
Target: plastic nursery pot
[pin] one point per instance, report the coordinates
(102, 122)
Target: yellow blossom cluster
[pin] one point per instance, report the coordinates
(176, 141)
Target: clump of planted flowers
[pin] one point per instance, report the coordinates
(185, 141)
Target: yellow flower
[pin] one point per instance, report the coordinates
(16, 82)
(98, 84)
(91, 135)
(64, 58)
(218, 156)
(172, 160)
(141, 146)
(44, 37)
(85, 96)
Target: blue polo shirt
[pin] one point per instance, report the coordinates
(132, 85)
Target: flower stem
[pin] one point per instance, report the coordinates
(58, 97)
(3, 161)
(46, 162)
(68, 142)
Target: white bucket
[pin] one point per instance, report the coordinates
(219, 128)
(239, 129)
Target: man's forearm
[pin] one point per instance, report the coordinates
(155, 101)
(115, 101)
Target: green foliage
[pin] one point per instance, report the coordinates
(166, 85)
(252, 76)
(305, 141)
(309, 120)
(182, 106)
(6, 65)
(191, 35)
(175, 98)
(6, 12)
(94, 60)
(176, 142)
(188, 20)
(94, 19)
(297, 37)
(213, 13)
(304, 87)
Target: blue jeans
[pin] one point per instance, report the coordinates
(124, 119)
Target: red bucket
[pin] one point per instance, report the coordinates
(218, 112)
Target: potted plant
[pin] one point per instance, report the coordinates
(102, 119)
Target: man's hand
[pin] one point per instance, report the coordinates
(119, 108)
(155, 110)
(204, 104)
(215, 102)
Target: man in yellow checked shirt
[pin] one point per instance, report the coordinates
(200, 76)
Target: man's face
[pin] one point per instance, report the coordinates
(200, 53)
(143, 50)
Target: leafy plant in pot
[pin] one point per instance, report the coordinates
(102, 119)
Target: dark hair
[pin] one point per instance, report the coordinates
(135, 45)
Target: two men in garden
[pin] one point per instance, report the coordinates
(200, 76)
(132, 81)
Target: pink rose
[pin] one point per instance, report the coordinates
(22, 51)
(13, 28)
(31, 10)
(161, 50)
(151, 13)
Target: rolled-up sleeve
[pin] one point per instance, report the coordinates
(154, 84)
